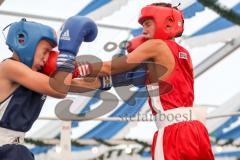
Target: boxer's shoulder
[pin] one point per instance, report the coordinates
(155, 44)
(6, 85)
(10, 66)
(4, 66)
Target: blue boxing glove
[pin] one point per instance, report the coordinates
(75, 30)
(134, 77)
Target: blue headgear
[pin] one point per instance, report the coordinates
(24, 36)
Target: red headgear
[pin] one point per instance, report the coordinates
(164, 17)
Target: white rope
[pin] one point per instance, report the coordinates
(141, 119)
(55, 19)
(224, 115)
(54, 141)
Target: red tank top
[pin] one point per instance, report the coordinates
(181, 80)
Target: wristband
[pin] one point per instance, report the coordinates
(65, 62)
(106, 82)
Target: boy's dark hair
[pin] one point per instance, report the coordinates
(165, 5)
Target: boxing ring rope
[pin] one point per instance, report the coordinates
(55, 141)
(56, 19)
(65, 141)
(216, 57)
(138, 119)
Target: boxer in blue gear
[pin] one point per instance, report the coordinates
(23, 85)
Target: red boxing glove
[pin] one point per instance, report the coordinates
(134, 43)
(51, 65)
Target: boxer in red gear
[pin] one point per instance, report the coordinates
(185, 137)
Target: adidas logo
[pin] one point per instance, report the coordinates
(65, 36)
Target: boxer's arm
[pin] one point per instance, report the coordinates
(38, 82)
(150, 49)
(56, 86)
(84, 84)
(135, 77)
(80, 29)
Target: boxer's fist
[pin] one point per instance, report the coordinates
(134, 43)
(76, 29)
(51, 65)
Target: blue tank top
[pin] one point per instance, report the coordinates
(20, 110)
